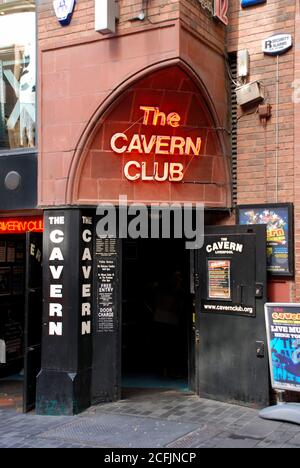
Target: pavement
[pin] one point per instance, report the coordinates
(149, 419)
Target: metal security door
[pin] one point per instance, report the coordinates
(232, 364)
(33, 318)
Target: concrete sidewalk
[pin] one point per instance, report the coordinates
(148, 419)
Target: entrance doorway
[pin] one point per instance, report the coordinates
(156, 315)
(12, 319)
(20, 318)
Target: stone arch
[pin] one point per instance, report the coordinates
(170, 83)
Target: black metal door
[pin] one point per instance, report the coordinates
(232, 364)
(33, 318)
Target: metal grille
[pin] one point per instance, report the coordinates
(234, 121)
(120, 431)
(191, 440)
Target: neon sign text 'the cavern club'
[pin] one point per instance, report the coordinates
(156, 144)
(21, 225)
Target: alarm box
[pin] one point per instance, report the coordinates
(250, 93)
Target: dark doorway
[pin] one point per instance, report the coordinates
(20, 319)
(12, 319)
(156, 314)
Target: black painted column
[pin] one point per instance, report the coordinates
(64, 383)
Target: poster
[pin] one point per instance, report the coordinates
(11, 252)
(219, 280)
(283, 331)
(2, 252)
(106, 252)
(279, 221)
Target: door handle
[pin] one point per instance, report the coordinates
(240, 289)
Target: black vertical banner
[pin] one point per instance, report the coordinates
(64, 383)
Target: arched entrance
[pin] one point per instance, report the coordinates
(99, 172)
(159, 141)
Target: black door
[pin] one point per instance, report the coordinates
(33, 318)
(230, 330)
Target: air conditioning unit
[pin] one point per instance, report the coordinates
(250, 93)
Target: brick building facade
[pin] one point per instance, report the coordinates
(175, 57)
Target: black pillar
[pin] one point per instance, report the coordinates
(64, 383)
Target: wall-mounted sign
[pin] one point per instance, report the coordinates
(21, 225)
(283, 331)
(217, 8)
(163, 146)
(227, 274)
(249, 3)
(64, 10)
(224, 246)
(106, 296)
(279, 221)
(277, 44)
(221, 10)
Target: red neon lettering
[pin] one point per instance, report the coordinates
(21, 225)
(159, 118)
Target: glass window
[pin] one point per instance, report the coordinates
(17, 74)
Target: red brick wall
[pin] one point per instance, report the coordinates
(82, 25)
(297, 148)
(81, 71)
(256, 143)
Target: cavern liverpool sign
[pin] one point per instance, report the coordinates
(174, 147)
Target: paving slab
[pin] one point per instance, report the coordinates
(160, 420)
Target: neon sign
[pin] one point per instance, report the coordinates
(158, 145)
(221, 10)
(21, 225)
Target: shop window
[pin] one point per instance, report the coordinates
(17, 74)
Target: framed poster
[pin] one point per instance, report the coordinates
(283, 332)
(279, 219)
(219, 280)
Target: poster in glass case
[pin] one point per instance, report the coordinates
(219, 283)
(278, 219)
